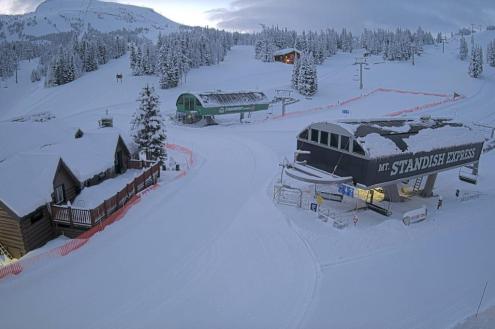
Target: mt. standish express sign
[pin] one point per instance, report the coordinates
(407, 165)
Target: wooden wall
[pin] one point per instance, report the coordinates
(37, 233)
(71, 185)
(126, 156)
(10, 233)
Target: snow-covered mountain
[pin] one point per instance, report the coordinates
(54, 16)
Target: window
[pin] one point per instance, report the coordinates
(59, 194)
(180, 101)
(344, 143)
(197, 102)
(304, 134)
(334, 140)
(189, 104)
(314, 135)
(356, 148)
(324, 137)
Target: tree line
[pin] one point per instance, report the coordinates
(175, 54)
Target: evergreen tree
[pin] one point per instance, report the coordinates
(463, 49)
(307, 81)
(148, 128)
(476, 62)
(439, 37)
(490, 54)
(295, 72)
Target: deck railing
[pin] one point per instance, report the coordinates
(86, 218)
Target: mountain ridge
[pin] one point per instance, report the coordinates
(55, 16)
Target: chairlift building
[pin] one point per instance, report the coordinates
(192, 107)
(385, 153)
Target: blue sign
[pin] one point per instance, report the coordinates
(346, 190)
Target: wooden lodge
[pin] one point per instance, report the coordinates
(287, 55)
(38, 188)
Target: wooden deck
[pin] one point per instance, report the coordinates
(87, 218)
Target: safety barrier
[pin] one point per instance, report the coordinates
(447, 99)
(74, 244)
(76, 217)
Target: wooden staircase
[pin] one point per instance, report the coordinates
(417, 184)
(4, 251)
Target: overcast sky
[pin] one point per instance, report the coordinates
(246, 15)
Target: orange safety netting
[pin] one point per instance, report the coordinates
(447, 99)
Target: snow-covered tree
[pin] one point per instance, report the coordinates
(439, 38)
(148, 128)
(168, 68)
(490, 54)
(295, 72)
(463, 48)
(307, 81)
(476, 62)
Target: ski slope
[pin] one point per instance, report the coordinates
(56, 16)
(213, 250)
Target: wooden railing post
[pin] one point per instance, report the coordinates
(69, 209)
(105, 208)
(92, 216)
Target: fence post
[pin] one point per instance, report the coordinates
(69, 209)
(105, 208)
(92, 216)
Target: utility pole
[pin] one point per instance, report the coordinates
(16, 64)
(444, 38)
(413, 51)
(360, 62)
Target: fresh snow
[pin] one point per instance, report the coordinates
(55, 16)
(92, 197)
(213, 250)
(27, 181)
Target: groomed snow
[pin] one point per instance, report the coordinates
(212, 250)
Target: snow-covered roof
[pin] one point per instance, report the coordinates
(230, 98)
(26, 181)
(285, 51)
(19, 137)
(89, 155)
(385, 137)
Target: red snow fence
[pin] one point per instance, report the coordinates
(446, 99)
(74, 244)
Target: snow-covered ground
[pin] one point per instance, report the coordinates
(55, 16)
(213, 250)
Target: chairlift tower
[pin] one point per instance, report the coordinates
(284, 95)
(361, 61)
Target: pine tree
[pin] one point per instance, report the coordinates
(463, 49)
(490, 54)
(307, 82)
(439, 37)
(148, 126)
(295, 72)
(476, 62)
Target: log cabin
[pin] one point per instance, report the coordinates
(30, 182)
(287, 55)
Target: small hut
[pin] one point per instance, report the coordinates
(287, 55)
